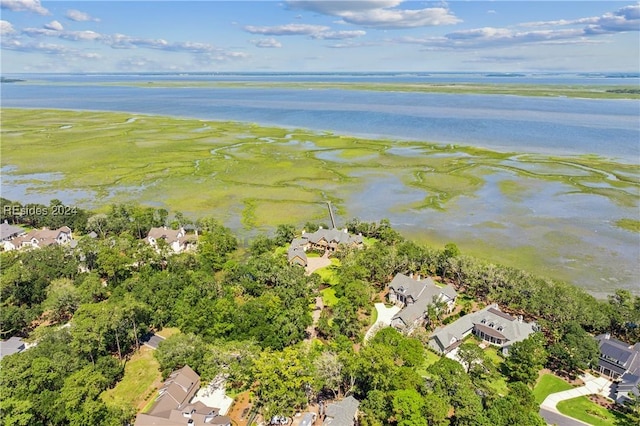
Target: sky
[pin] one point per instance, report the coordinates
(319, 36)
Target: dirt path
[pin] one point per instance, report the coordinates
(311, 330)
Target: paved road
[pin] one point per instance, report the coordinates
(592, 385)
(555, 418)
(152, 340)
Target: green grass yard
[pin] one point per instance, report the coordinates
(141, 377)
(548, 384)
(582, 408)
(329, 297)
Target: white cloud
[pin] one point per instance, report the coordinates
(379, 14)
(50, 31)
(335, 8)
(54, 25)
(351, 44)
(78, 16)
(266, 43)
(6, 28)
(584, 30)
(24, 6)
(57, 50)
(338, 35)
(624, 19)
(289, 29)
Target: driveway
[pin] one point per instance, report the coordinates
(384, 319)
(592, 385)
(152, 340)
(315, 263)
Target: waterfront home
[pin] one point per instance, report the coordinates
(176, 239)
(620, 362)
(489, 324)
(326, 240)
(173, 406)
(414, 296)
(39, 238)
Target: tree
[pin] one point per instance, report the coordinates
(633, 404)
(469, 354)
(517, 408)
(328, 370)
(284, 234)
(63, 299)
(407, 407)
(179, 350)
(214, 245)
(436, 410)
(575, 351)
(526, 359)
(282, 380)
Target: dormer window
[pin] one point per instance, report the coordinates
(484, 321)
(500, 328)
(491, 324)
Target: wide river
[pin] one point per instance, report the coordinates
(567, 126)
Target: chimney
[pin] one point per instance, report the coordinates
(607, 335)
(418, 278)
(411, 275)
(519, 318)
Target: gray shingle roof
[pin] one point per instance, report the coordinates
(342, 413)
(491, 316)
(423, 292)
(9, 231)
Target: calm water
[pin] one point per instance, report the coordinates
(573, 233)
(544, 125)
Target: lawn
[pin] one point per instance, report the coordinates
(328, 273)
(547, 385)
(492, 353)
(168, 332)
(582, 408)
(430, 358)
(329, 297)
(141, 377)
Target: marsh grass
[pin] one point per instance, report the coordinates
(256, 177)
(541, 90)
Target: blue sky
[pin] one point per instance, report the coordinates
(356, 35)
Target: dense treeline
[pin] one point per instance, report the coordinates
(246, 316)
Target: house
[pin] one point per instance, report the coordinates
(9, 232)
(173, 406)
(39, 238)
(414, 295)
(326, 240)
(12, 345)
(176, 239)
(621, 362)
(489, 324)
(342, 413)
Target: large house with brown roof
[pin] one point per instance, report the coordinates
(414, 296)
(173, 406)
(325, 240)
(176, 239)
(39, 238)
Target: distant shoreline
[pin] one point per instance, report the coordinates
(609, 92)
